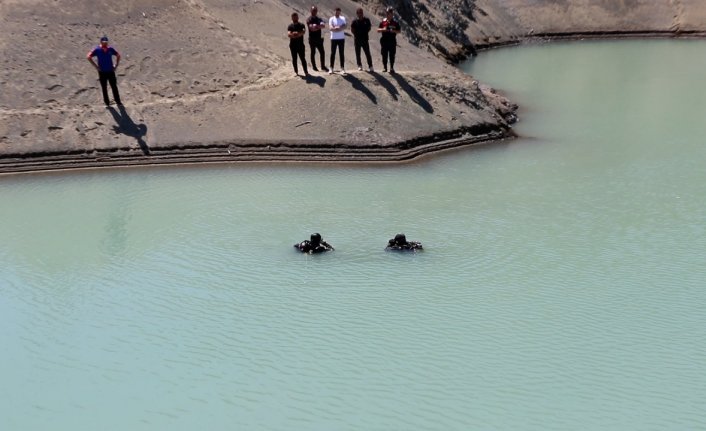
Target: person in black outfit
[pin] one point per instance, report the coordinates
(313, 245)
(389, 28)
(295, 32)
(361, 27)
(316, 40)
(400, 243)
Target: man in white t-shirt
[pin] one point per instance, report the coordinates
(337, 25)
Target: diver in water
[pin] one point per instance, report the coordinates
(314, 245)
(400, 243)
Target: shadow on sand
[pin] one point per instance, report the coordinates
(386, 84)
(127, 127)
(318, 80)
(358, 85)
(413, 93)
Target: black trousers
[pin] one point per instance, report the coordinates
(336, 44)
(105, 78)
(365, 46)
(298, 51)
(317, 44)
(388, 49)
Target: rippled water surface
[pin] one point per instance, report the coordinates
(563, 285)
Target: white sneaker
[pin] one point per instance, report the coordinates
(360, 68)
(330, 71)
(343, 72)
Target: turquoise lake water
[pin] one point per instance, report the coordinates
(562, 286)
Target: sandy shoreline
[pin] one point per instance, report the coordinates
(186, 102)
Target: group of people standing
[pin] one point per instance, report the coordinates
(361, 26)
(388, 28)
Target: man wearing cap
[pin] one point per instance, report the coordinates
(337, 25)
(361, 27)
(106, 68)
(316, 40)
(295, 32)
(388, 29)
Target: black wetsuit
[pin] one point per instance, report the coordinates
(393, 245)
(307, 246)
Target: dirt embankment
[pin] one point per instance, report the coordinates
(454, 29)
(212, 80)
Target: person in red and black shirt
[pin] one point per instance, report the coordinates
(389, 29)
(295, 32)
(106, 69)
(361, 27)
(316, 40)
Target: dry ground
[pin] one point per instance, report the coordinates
(212, 76)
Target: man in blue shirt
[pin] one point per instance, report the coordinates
(106, 69)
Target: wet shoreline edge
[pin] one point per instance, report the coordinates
(261, 152)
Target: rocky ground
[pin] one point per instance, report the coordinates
(454, 29)
(211, 80)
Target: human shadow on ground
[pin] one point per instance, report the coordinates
(413, 93)
(128, 127)
(386, 84)
(318, 80)
(358, 85)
